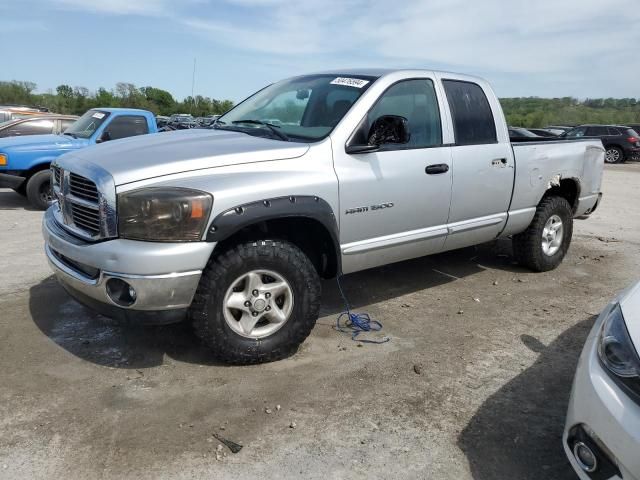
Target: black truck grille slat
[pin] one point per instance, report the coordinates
(83, 188)
(86, 218)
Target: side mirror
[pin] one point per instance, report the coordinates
(384, 130)
(105, 137)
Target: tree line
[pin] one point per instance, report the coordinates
(77, 100)
(539, 112)
(522, 111)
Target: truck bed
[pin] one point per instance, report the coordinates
(543, 163)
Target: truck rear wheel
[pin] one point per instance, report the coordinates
(543, 245)
(39, 191)
(256, 302)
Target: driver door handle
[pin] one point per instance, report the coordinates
(436, 169)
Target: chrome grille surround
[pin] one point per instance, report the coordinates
(86, 199)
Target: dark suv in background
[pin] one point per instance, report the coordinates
(621, 142)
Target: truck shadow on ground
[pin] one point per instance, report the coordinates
(517, 432)
(104, 342)
(10, 200)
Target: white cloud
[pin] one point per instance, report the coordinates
(150, 8)
(545, 40)
(587, 42)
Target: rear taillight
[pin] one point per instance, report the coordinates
(632, 139)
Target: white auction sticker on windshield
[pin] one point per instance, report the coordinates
(350, 82)
(98, 115)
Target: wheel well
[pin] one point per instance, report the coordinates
(307, 234)
(569, 189)
(35, 169)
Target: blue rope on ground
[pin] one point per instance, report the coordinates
(356, 323)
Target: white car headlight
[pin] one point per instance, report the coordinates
(617, 352)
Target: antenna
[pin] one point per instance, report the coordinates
(193, 83)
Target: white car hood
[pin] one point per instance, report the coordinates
(630, 305)
(147, 156)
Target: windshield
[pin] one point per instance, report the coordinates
(87, 124)
(302, 108)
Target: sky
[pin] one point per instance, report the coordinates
(547, 48)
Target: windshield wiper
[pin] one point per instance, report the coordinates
(71, 134)
(270, 126)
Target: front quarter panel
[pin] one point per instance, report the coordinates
(236, 185)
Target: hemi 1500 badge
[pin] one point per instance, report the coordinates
(379, 206)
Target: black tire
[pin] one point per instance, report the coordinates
(39, 190)
(527, 246)
(21, 190)
(614, 154)
(206, 311)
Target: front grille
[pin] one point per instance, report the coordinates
(83, 188)
(86, 202)
(86, 218)
(57, 175)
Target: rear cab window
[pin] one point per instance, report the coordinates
(473, 121)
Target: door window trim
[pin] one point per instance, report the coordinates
(399, 147)
(451, 113)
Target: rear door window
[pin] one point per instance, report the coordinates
(614, 131)
(597, 131)
(473, 121)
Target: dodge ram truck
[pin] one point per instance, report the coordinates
(233, 228)
(25, 161)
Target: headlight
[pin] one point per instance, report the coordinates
(163, 214)
(4, 159)
(617, 352)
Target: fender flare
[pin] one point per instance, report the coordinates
(232, 220)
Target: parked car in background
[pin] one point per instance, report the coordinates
(620, 142)
(24, 161)
(602, 430)
(36, 125)
(562, 128)
(519, 132)
(12, 112)
(161, 120)
(233, 227)
(546, 132)
(182, 121)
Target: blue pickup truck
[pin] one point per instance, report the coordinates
(24, 161)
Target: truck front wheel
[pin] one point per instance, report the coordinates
(256, 302)
(543, 245)
(39, 191)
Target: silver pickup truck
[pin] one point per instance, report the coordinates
(316, 176)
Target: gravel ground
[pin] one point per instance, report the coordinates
(473, 384)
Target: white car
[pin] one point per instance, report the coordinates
(602, 432)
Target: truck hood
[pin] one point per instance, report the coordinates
(30, 143)
(148, 156)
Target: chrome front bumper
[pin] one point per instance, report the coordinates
(84, 268)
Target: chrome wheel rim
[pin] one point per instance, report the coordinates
(258, 304)
(612, 156)
(552, 234)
